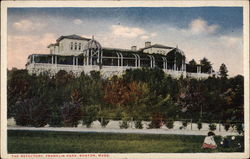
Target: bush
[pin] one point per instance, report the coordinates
(239, 128)
(72, 114)
(212, 126)
(124, 124)
(170, 124)
(91, 115)
(199, 125)
(184, 124)
(227, 126)
(155, 123)
(31, 112)
(104, 122)
(55, 119)
(138, 124)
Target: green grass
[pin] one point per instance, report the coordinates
(75, 142)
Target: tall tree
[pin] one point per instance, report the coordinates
(223, 71)
(192, 66)
(206, 65)
(192, 62)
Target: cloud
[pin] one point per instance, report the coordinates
(20, 46)
(126, 32)
(144, 37)
(218, 47)
(200, 27)
(77, 21)
(230, 40)
(28, 25)
(153, 34)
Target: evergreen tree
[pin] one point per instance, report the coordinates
(223, 71)
(206, 65)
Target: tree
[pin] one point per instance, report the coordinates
(192, 62)
(223, 71)
(192, 66)
(206, 65)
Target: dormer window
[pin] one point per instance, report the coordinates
(71, 46)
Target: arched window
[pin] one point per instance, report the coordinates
(71, 46)
(79, 46)
(75, 46)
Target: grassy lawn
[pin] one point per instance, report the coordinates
(75, 142)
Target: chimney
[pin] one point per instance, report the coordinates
(133, 48)
(147, 43)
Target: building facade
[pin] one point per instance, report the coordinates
(76, 54)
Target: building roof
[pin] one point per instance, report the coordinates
(119, 49)
(174, 50)
(56, 44)
(157, 46)
(73, 36)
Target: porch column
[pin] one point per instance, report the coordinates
(175, 64)
(33, 59)
(52, 59)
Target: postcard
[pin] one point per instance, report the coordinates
(125, 79)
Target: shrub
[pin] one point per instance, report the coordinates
(170, 124)
(91, 115)
(138, 124)
(124, 124)
(199, 125)
(155, 123)
(184, 124)
(55, 119)
(72, 114)
(212, 126)
(239, 128)
(227, 126)
(31, 112)
(104, 122)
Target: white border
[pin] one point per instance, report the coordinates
(244, 4)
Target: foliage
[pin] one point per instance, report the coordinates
(56, 117)
(124, 124)
(91, 114)
(212, 126)
(157, 122)
(239, 128)
(223, 71)
(184, 123)
(170, 124)
(138, 124)
(192, 66)
(103, 121)
(226, 126)
(199, 125)
(206, 65)
(141, 94)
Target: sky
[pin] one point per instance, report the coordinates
(212, 32)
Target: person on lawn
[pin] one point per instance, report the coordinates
(209, 142)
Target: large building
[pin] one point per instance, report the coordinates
(76, 54)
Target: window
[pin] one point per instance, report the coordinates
(79, 46)
(75, 46)
(71, 46)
